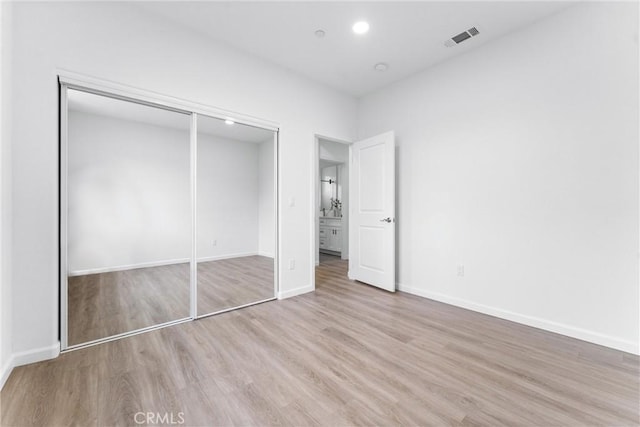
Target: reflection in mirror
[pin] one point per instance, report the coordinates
(235, 215)
(331, 189)
(128, 216)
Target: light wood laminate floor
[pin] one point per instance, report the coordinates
(325, 258)
(234, 282)
(348, 354)
(105, 304)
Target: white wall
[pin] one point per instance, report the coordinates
(129, 194)
(519, 160)
(117, 42)
(266, 220)
(6, 360)
(228, 197)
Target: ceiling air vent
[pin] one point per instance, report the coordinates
(473, 31)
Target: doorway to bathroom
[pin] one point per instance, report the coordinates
(353, 233)
(332, 203)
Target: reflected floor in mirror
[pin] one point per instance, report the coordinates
(106, 304)
(233, 282)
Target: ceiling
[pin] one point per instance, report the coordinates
(408, 36)
(326, 163)
(123, 110)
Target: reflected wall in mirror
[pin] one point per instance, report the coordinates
(236, 225)
(128, 216)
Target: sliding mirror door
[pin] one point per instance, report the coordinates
(236, 227)
(127, 216)
(165, 215)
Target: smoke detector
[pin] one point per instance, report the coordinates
(465, 35)
(381, 66)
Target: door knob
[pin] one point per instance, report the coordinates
(387, 219)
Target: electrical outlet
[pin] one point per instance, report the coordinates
(214, 243)
(292, 264)
(461, 270)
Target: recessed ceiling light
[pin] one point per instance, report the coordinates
(360, 27)
(320, 33)
(381, 66)
(229, 122)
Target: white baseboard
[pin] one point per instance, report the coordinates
(127, 267)
(226, 256)
(160, 263)
(536, 322)
(37, 355)
(296, 291)
(27, 357)
(6, 371)
(266, 254)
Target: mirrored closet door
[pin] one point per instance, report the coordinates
(128, 216)
(235, 215)
(167, 214)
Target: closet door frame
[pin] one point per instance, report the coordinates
(70, 80)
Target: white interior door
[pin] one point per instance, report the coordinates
(372, 213)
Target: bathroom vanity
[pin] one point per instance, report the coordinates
(331, 235)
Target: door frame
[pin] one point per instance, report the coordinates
(71, 80)
(315, 192)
